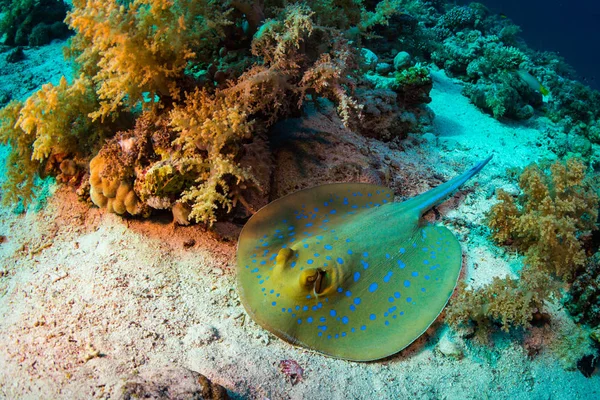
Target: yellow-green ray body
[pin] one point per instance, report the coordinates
(343, 270)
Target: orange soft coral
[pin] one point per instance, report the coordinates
(210, 129)
(142, 46)
(53, 121)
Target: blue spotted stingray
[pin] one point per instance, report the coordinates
(344, 270)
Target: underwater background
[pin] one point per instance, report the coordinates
(569, 28)
(157, 159)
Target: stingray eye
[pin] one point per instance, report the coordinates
(308, 277)
(313, 280)
(320, 282)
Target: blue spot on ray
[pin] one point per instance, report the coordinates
(387, 277)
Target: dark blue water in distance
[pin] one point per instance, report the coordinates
(570, 28)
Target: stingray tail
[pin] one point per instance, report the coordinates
(440, 193)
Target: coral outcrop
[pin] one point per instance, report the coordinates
(547, 224)
(583, 298)
(111, 193)
(547, 221)
(175, 97)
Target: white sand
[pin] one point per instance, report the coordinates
(74, 280)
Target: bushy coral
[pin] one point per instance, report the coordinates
(507, 302)
(458, 17)
(575, 101)
(547, 221)
(503, 58)
(139, 49)
(52, 122)
(413, 85)
(456, 52)
(505, 95)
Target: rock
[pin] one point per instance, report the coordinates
(449, 348)
(565, 144)
(512, 189)
(401, 61)
(368, 59)
(171, 383)
(383, 68)
(580, 145)
(15, 55)
(429, 137)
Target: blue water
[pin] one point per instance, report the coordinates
(570, 28)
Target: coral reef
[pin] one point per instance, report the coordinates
(215, 77)
(204, 82)
(485, 51)
(136, 52)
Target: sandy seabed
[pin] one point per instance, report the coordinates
(89, 299)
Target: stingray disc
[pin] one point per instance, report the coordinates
(343, 270)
